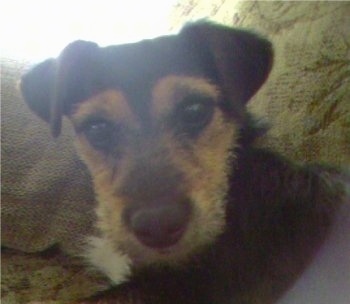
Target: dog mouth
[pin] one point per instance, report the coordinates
(162, 240)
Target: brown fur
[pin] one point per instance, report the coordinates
(203, 164)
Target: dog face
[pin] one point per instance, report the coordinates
(157, 124)
(160, 180)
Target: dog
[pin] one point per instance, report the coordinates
(189, 209)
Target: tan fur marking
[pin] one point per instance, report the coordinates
(170, 90)
(204, 162)
(207, 167)
(111, 103)
(114, 106)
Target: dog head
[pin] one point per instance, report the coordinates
(157, 123)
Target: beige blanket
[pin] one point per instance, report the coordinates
(46, 192)
(47, 200)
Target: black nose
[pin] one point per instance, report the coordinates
(159, 226)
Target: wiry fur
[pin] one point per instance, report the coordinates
(253, 219)
(108, 260)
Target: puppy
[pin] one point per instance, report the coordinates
(189, 210)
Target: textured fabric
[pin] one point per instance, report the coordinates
(47, 197)
(47, 200)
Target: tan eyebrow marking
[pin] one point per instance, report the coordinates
(170, 90)
(110, 104)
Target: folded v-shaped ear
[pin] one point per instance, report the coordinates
(242, 60)
(53, 85)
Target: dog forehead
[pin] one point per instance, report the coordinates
(136, 69)
(141, 62)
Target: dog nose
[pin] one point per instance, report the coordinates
(159, 226)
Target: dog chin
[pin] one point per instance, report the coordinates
(117, 266)
(106, 259)
(144, 256)
(119, 259)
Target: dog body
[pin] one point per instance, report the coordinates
(189, 210)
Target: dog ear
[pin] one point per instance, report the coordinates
(242, 60)
(53, 85)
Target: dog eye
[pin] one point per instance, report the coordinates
(194, 113)
(101, 134)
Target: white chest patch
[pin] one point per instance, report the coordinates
(115, 265)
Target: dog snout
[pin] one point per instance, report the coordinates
(160, 225)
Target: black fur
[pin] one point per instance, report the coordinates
(278, 214)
